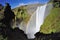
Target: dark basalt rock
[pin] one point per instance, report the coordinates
(6, 31)
(16, 34)
(52, 36)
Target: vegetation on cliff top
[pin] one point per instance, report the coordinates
(52, 22)
(21, 12)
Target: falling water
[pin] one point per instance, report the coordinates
(35, 21)
(40, 17)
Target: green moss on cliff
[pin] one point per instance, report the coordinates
(52, 22)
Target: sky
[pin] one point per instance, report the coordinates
(17, 3)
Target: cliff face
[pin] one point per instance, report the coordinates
(51, 23)
(25, 12)
(37, 14)
(28, 13)
(29, 8)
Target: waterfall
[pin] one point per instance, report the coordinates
(31, 26)
(35, 21)
(40, 17)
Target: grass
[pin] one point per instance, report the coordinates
(21, 12)
(27, 19)
(52, 22)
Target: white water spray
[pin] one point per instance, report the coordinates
(40, 17)
(36, 21)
